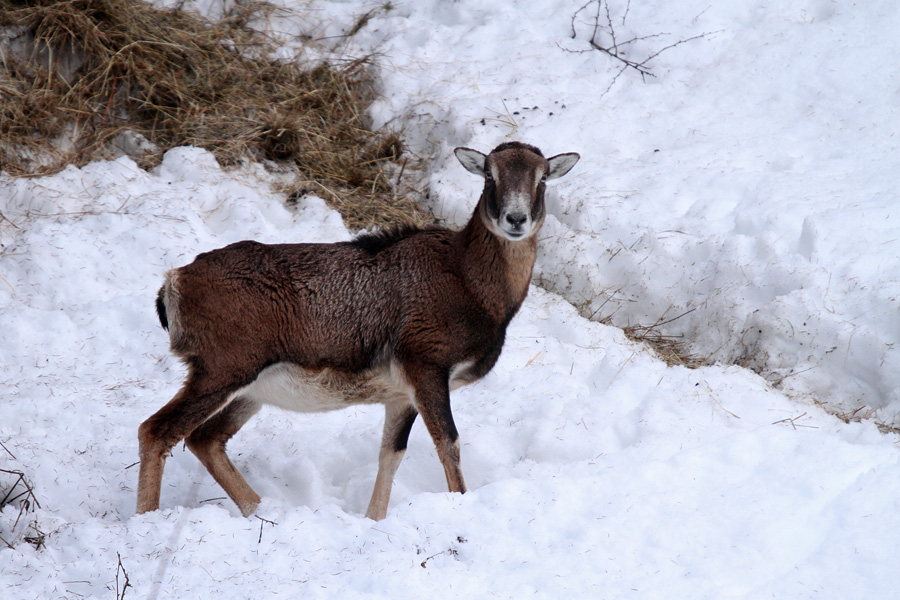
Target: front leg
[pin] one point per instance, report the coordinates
(432, 399)
(398, 421)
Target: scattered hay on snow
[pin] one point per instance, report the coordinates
(84, 80)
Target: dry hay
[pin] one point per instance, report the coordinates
(87, 75)
(672, 350)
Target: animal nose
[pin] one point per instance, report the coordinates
(516, 219)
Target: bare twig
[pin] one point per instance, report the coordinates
(678, 43)
(37, 540)
(27, 493)
(450, 551)
(4, 218)
(126, 584)
(602, 26)
(660, 322)
(793, 422)
(261, 523)
(7, 451)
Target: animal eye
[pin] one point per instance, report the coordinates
(543, 178)
(488, 175)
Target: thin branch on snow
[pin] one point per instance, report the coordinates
(27, 493)
(4, 218)
(7, 451)
(602, 27)
(127, 584)
(793, 422)
(449, 551)
(261, 523)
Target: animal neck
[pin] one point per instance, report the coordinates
(497, 271)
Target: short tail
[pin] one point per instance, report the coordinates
(161, 309)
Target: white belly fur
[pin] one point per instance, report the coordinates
(292, 387)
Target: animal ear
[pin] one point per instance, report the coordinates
(472, 160)
(561, 164)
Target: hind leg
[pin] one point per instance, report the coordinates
(208, 441)
(190, 407)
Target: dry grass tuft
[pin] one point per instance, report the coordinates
(861, 414)
(20, 494)
(672, 350)
(85, 76)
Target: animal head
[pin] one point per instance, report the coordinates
(512, 202)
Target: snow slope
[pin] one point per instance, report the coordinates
(595, 470)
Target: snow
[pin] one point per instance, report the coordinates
(754, 180)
